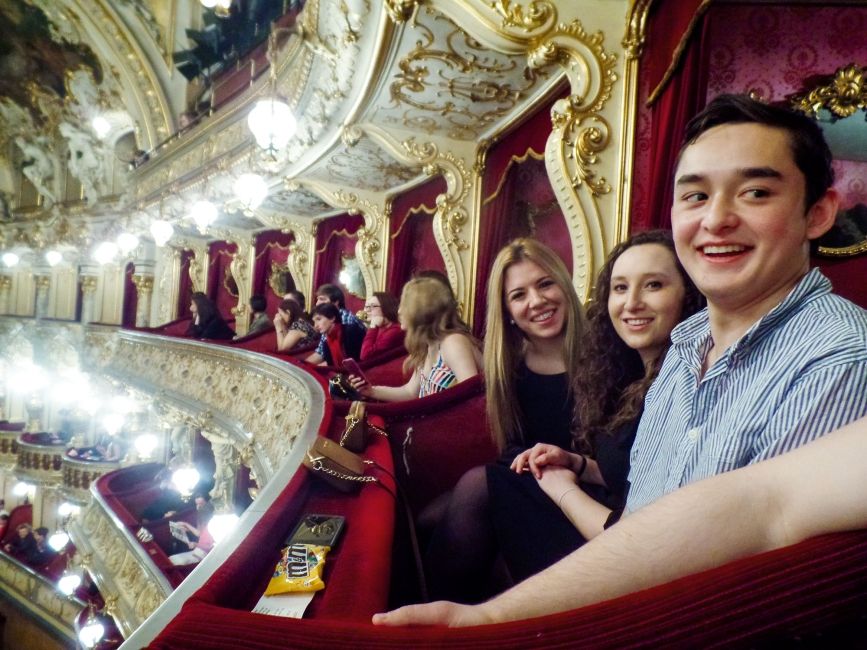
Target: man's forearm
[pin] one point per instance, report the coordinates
(681, 534)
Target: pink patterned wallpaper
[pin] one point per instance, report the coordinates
(773, 49)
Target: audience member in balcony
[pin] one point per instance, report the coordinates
(203, 542)
(641, 293)
(533, 325)
(351, 328)
(24, 545)
(383, 331)
(207, 322)
(260, 321)
(4, 523)
(757, 508)
(326, 321)
(298, 297)
(292, 327)
(41, 553)
(167, 502)
(442, 352)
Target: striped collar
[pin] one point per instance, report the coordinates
(694, 333)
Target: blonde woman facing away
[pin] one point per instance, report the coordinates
(442, 352)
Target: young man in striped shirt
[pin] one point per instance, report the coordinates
(776, 359)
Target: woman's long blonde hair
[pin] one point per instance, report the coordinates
(428, 313)
(505, 345)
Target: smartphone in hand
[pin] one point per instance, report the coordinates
(351, 367)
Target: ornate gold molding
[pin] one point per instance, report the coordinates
(40, 463)
(88, 284)
(79, 474)
(119, 565)
(144, 284)
(239, 388)
(35, 594)
(843, 94)
(580, 133)
(534, 17)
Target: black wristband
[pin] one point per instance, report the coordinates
(580, 472)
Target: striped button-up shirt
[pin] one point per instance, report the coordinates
(796, 374)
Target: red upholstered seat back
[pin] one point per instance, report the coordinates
(848, 275)
(6, 425)
(127, 492)
(176, 327)
(386, 369)
(265, 341)
(437, 438)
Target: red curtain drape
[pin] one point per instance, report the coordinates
(412, 247)
(336, 236)
(515, 191)
(185, 284)
(221, 285)
(683, 95)
(272, 247)
(130, 297)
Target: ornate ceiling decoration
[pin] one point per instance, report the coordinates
(445, 82)
(298, 202)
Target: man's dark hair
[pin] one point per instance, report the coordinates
(328, 310)
(333, 293)
(258, 303)
(809, 149)
(298, 297)
(42, 531)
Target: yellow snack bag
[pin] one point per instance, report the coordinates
(299, 569)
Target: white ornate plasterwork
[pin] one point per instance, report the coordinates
(445, 83)
(581, 133)
(119, 565)
(244, 391)
(34, 593)
(298, 203)
(363, 160)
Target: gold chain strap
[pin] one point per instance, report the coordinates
(351, 423)
(381, 432)
(319, 467)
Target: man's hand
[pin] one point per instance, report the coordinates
(441, 612)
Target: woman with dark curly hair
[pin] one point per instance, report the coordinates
(560, 498)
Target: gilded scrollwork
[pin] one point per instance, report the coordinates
(369, 245)
(451, 78)
(216, 382)
(535, 16)
(580, 133)
(117, 563)
(842, 94)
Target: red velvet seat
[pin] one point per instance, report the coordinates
(127, 492)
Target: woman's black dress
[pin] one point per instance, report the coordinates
(531, 531)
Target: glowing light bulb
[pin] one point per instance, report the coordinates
(53, 257)
(162, 232)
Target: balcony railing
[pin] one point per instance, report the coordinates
(39, 460)
(79, 474)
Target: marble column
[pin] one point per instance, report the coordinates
(88, 294)
(5, 287)
(43, 282)
(144, 285)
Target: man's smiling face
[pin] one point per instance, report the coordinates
(738, 215)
